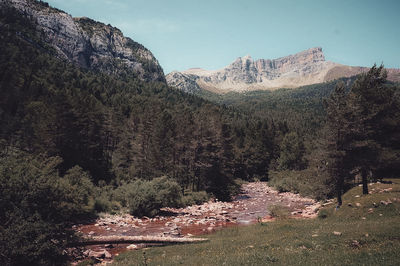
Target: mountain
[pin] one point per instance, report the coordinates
(88, 43)
(245, 74)
(112, 122)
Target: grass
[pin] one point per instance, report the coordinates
(367, 238)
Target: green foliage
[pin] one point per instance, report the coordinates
(147, 197)
(300, 110)
(308, 182)
(36, 206)
(371, 102)
(194, 197)
(79, 190)
(117, 127)
(292, 153)
(337, 140)
(357, 122)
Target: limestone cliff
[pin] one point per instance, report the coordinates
(185, 82)
(90, 44)
(304, 68)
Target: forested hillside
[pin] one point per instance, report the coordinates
(117, 128)
(299, 109)
(111, 136)
(303, 150)
(77, 141)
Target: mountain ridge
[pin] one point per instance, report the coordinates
(245, 74)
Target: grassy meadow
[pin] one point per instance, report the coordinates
(364, 231)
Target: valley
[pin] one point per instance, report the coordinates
(105, 159)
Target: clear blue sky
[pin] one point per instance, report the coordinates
(212, 33)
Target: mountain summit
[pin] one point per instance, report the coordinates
(304, 68)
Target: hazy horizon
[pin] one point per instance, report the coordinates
(211, 34)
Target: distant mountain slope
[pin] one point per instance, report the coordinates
(300, 109)
(245, 74)
(90, 44)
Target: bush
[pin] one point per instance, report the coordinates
(36, 206)
(30, 240)
(192, 198)
(147, 197)
(79, 191)
(305, 182)
(120, 194)
(102, 204)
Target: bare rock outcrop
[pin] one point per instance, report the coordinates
(88, 43)
(186, 83)
(244, 74)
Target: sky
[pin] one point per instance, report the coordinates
(211, 34)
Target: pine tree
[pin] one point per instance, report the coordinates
(336, 137)
(368, 101)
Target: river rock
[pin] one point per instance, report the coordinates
(132, 247)
(103, 254)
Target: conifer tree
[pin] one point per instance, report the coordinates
(336, 137)
(368, 102)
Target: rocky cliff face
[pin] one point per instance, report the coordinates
(246, 70)
(185, 82)
(244, 73)
(304, 68)
(90, 44)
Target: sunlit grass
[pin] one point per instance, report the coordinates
(370, 235)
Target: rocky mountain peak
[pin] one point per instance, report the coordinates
(245, 58)
(245, 73)
(314, 54)
(90, 44)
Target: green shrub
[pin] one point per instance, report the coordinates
(37, 207)
(120, 194)
(147, 197)
(102, 204)
(79, 191)
(195, 197)
(305, 182)
(30, 240)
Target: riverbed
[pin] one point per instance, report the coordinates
(250, 206)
